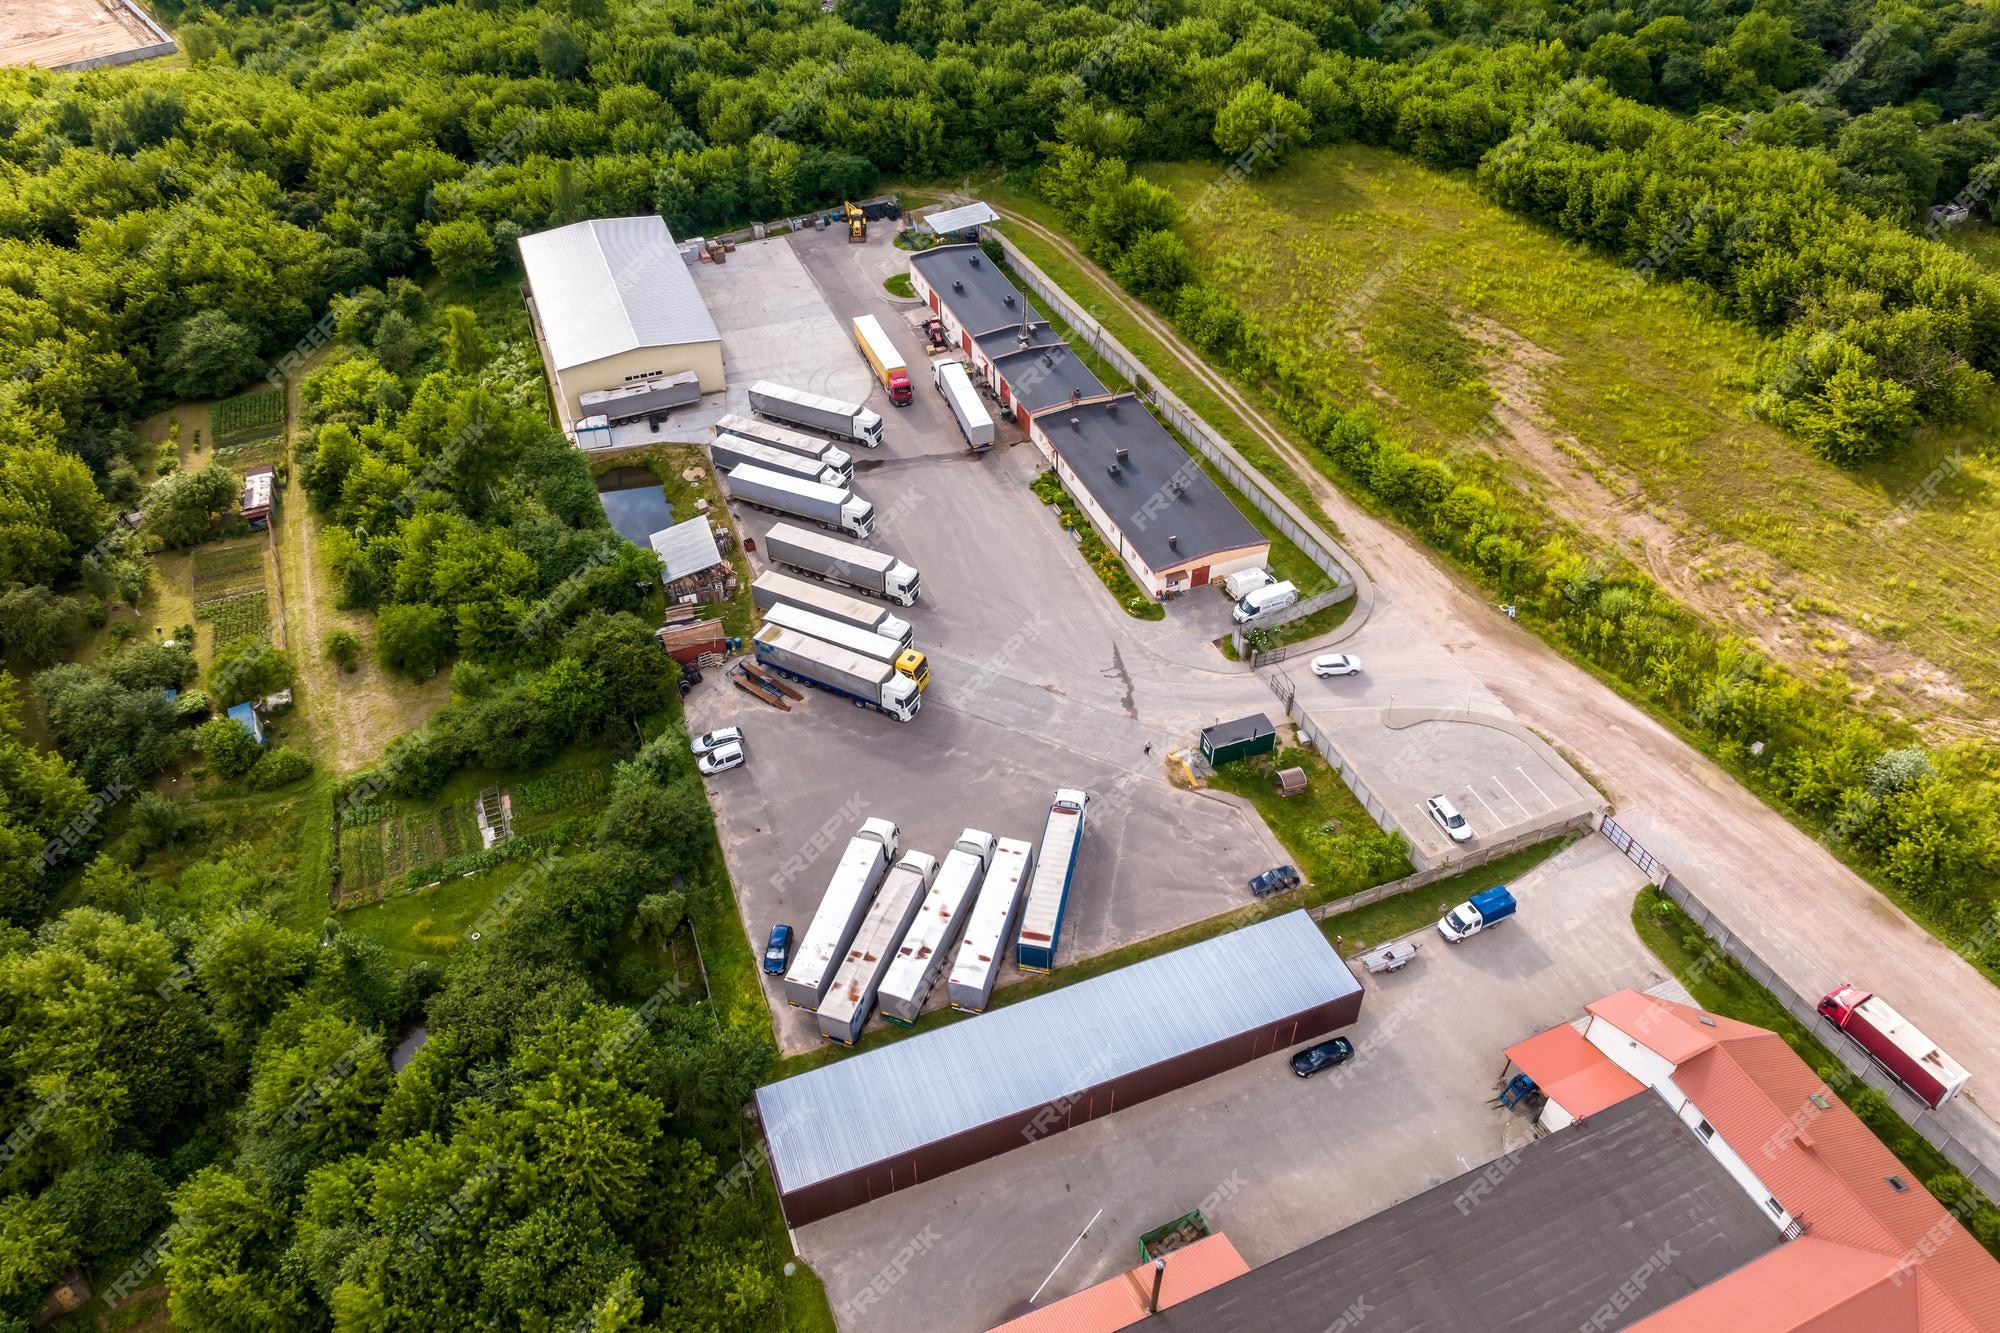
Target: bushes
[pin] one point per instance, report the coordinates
(227, 746)
(343, 650)
(412, 640)
(279, 767)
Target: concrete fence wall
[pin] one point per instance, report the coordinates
(1446, 869)
(1252, 484)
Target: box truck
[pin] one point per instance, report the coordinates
(849, 421)
(883, 359)
(833, 507)
(974, 421)
(990, 926)
(772, 588)
(851, 999)
(865, 643)
(1914, 1059)
(1048, 893)
(649, 398)
(926, 949)
(1479, 912)
(873, 572)
(826, 666)
(733, 451)
(823, 452)
(848, 893)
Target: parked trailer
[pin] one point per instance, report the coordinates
(1048, 892)
(914, 972)
(821, 451)
(773, 588)
(833, 507)
(1896, 1044)
(874, 572)
(851, 999)
(990, 926)
(841, 908)
(649, 399)
(825, 666)
(974, 421)
(864, 643)
(849, 421)
(890, 369)
(733, 451)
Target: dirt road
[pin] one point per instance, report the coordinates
(1808, 915)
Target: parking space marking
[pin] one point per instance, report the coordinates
(1510, 795)
(1536, 785)
(1482, 800)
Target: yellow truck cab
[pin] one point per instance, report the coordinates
(912, 663)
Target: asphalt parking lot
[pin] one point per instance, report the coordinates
(1039, 681)
(1273, 1161)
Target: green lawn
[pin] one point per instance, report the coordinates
(899, 284)
(1103, 561)
(1329, 835)
(1393, 918)
(1720, 986)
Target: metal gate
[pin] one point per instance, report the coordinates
(1655, 869)
(1281, 685)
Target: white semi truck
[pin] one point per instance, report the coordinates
(824, 452)
(833, 507)
(864, 642)
(826, 666)
(874, 572)
(848, 421)
(974, 421)
(851, 999)
(774, 588)
(926, 950)
(841, 908)
(733, 451)
(983, 951)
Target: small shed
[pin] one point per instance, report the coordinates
(246, 717)
(689, 643)
(691, 563)
(1240, 739)
(953, 221)
(258, 485)
(1291, 781)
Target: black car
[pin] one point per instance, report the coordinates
(1275, 880)
(1323, 1056)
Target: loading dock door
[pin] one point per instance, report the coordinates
(1200, 577)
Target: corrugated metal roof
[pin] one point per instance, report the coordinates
(685, 548)
(891, 1100)
(611, 285)
(1809, 1285)
(963, 218)
(1576, 1075)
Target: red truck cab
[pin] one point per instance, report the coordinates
(1895, 1043)
(900, 392)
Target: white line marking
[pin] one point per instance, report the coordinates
(1536, 785)
(1066, 1254)
(1482, 800)
(1510, 795)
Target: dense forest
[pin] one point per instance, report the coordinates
(179, 1063)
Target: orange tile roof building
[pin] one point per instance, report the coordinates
(1123, 1301)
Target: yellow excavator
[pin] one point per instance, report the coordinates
(857, 222)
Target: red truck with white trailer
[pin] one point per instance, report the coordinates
(1897, 1046)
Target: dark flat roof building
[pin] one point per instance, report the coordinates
(962, 283)
(1593, 1227)
(1042, 378)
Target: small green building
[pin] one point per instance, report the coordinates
(1241, 739)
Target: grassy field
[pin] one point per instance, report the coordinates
(1330, 837)
(1620, 403)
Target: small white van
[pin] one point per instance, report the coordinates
(1274, 597)
(1246, 581)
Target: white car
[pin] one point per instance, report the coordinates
(712, 741)
(720, 760)
(1447, 817)
(1336, 664)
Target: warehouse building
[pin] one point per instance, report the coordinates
(614, 307)
(1042, 379)
(1031, 333)
(964, 288)
(909, 1112)
(1173, 528)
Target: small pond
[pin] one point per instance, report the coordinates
(635, 502)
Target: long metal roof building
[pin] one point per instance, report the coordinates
(613, 285)
(910, 1111)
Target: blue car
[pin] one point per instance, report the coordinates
(778, 949)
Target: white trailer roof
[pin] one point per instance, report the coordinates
(870, 331)
(1045, 895)
(815, 954)
(875, 942)
(877, 647)
(805, 399)
(986, 929)
(766, 476)
(819, 650)
(942, 908)
(860, 557)
(881, 1103)
(613, 285)
(750, 428)
(756, 453)
(1885, 1019)
(818, 597)
(957, 386)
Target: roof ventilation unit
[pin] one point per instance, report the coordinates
(1008, 298)
(957, 285)
(1076, 423)
(1174, 540)
(1124, 454)
(1113, 469)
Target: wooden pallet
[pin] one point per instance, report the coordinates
(751, 668)
(756, 691)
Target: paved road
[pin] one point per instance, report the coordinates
(1808, 915)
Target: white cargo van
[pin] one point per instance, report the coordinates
(1273, 597)
(1246, 581)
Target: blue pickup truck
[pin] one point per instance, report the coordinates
(1487, 908)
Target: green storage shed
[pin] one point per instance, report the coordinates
(1241, 739)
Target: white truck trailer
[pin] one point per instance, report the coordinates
(873, 572)
(851, 999)
(974, 421)
(651, 398)
(990, 926)
(913, 974)
(826, 666)
(833, 507)
(1055, 873)
(865, 643)
(773, 588)
(847, 421)
(824, 452)
(841, 909)
(733, 451)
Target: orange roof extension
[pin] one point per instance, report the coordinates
(1576, 1075)
(1832, 1174)
(1120, 1302)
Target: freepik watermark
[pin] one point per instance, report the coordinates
(315, 1094)
(509, 899)
(636, 1025)
(462, 1199)
(819, 842)
(893, 1272)
(1268, 144)
(135, 1278)
(30, 1128)
(81, 826)
(559, 598)
(1611, 1314)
